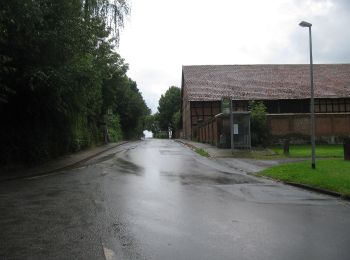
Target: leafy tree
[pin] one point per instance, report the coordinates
(60, 75)
(169, 104)
(258, 124)
(111, 12)
(131, 107)
(176, 120)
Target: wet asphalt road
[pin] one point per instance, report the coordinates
(156, 199)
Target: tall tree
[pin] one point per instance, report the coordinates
(168, 105)
(132, 109)
(112, 12)
(60, 75)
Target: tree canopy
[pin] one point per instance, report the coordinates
(169, 105)
(60, 77)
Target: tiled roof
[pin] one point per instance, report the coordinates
(264, 82)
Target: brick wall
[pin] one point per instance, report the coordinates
(207, 132)
(326, 124)
(186, 117)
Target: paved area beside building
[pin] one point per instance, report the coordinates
(157, 199)
(213, 151)
(245, 165)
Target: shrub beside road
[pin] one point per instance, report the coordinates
(202, 152)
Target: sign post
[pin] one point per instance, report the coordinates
(226, 108)
(231, 127)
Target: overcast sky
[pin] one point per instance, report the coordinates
(162, 35)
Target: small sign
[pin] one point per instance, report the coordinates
(235, 129)
(225, 105)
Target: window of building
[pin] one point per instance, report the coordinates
(334, 105)
(287, 106)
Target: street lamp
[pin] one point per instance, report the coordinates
(312, 112)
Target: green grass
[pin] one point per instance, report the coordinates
(257, 154)
(322, 151)
(295, 151)
(202, 152)
(331, 174)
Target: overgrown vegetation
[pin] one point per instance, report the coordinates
(115, 132)
(332, 175)
(202, 152)
(60, 75)
(258, 124)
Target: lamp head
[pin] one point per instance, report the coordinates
(305, 24)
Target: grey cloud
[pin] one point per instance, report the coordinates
(330, 35)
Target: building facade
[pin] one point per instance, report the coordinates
(285, 90)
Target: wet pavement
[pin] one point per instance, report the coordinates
(157, 199)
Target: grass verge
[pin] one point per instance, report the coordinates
(295, 151)
(257, 154)
(202, 152)
(332, 175)
(322, 151)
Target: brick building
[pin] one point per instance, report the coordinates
(285, 90)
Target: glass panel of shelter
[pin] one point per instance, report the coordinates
(242, 136)
(241, 128)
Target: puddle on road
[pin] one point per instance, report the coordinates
(171, 152)
(54, 193)
(195, 177)
(214, 178)
(103, 158)
(125, 166)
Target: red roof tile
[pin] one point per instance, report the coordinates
(264, 82)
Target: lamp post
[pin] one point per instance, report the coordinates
(312, 107)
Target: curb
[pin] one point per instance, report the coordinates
(327, 192)
(307, 187)
(72, 165)
(187, 144)
(192, 147)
